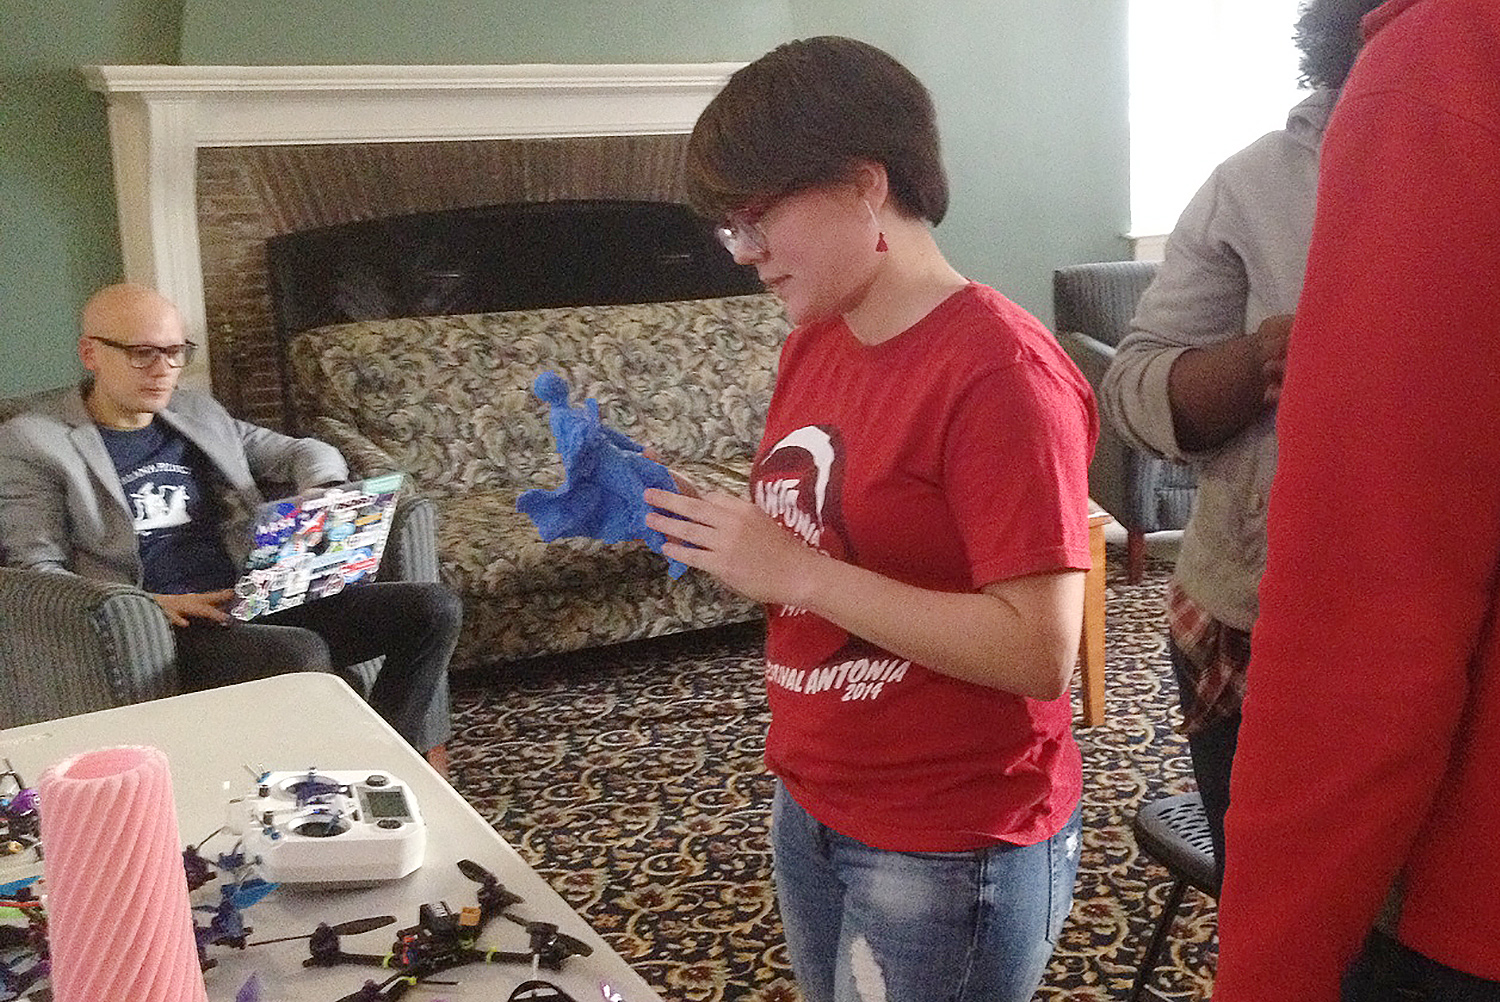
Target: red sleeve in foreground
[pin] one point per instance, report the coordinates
(1384, 533)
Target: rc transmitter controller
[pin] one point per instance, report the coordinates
(331, 827)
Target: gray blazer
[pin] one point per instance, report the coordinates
(62, 507)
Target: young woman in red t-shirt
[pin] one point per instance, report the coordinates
(917, 528)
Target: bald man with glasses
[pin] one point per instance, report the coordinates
(126, 478)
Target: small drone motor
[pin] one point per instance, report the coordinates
(331, 827)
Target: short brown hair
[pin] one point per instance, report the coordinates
(805, 115)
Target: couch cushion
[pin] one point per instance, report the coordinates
(449, 398)
(516, 626)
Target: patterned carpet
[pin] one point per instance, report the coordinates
(631, 778)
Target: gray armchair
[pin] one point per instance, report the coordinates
(72, 645)
(1093, 305)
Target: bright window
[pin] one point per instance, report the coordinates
(1207, 77)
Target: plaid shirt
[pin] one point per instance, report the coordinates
(1218, 657)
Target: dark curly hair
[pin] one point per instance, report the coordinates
(1327, 32)
(807, 114)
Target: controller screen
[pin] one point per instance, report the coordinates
(385, 803)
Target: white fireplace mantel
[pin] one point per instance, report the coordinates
(159, 116)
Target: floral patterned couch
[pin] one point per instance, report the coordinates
(448, 401)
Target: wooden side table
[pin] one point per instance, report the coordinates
(1091, 646)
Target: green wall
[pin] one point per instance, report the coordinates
(1031, 95)
(465, 31)
(58, 238)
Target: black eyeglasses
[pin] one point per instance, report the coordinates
(141, 356)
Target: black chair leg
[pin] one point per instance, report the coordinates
(1158, 939)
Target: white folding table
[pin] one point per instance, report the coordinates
(305, 720)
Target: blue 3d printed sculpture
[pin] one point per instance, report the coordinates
(605, 475)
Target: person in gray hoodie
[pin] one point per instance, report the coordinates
(1196, 381)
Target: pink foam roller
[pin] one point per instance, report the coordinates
(118, 915)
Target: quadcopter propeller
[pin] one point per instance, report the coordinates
(370, 991)
(548, 945)
(393, 987)
(538, 991)
(351, 928)
(250, 991)
(15, 886)
(248, 892)
(493, 896)
(476, 873)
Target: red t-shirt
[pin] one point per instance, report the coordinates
(1371, 737)
(949, 457)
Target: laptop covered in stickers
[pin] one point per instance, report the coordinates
(315, 544)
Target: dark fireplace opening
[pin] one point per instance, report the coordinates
(251, 195)
(514, 256)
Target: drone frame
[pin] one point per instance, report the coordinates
(443, 940)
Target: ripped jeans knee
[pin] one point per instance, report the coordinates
(867, 925)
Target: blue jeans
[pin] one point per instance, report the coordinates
(867, 925)
(1388, 972)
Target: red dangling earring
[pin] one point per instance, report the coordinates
(880, 244)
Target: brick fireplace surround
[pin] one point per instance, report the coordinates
(211, 161)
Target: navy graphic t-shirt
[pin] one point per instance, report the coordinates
(176, 523)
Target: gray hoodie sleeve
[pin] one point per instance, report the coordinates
(1197, 298)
